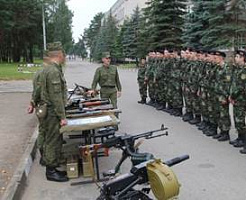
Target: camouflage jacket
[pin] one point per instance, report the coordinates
(106, 77)
(53, 89)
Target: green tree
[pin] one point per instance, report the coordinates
(164, 23)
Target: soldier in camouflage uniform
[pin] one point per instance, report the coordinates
(141, 83)
(222, 90)
(108, 79)
(186, 67)
(36, 100)
(54, 95)
(176, 85)
(238, 99)
(149, 77)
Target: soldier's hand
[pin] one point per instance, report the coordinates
(118, 94)
(232, 101)
(30, 109)
(63, 122)
(91, 93)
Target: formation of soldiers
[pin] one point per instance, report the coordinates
(202, 84)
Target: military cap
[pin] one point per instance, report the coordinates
(219, 53)
(106, 54)
(241, 53)
(55, 46)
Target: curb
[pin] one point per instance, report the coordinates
(17, 183)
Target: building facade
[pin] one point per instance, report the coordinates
(123, 9)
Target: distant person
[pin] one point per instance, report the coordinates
(108, 79)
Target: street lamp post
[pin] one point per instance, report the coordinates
(44, 30)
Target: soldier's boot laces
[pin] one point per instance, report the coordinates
(239, 142)
(196, 120)
(224, 136)
(187, 117)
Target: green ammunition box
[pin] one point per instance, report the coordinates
(72, 167)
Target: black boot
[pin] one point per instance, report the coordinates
(187, 117)
(239, 142)
(203, 125)
(54, 175)
(151, 102)
(224, 136)
(196, 120)
(178, 112)
(168, 109)
(159, 106)
(212, 131)
(243, 151)
(143, 101)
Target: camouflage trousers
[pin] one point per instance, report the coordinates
(142, 90)
(151, 89)
(41, 134)
(52, 139)
(111, 94)
(224, 121)
(239, 109)
(213, 109)
(204, 104)
(177, 98)
(187, 98)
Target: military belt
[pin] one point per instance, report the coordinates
(108, 86)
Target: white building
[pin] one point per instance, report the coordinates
(123, 9)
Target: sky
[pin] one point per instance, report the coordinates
(84, 11)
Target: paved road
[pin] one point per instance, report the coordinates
(16, 127)
(215, 171)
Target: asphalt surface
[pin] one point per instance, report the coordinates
(215, 170)
(16, 127)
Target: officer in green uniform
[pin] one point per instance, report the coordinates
(54, 96)
(108, 79)
(34, 104)
(141, 83)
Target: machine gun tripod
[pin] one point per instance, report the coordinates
(129, 149)
(163, 182)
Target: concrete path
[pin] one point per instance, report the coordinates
(215, 171)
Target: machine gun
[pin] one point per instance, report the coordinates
(163, 182)
(127, 144)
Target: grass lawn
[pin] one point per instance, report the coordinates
(9, 71)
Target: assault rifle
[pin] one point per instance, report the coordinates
(163, 182)
(127, 144)
(79, 103)
(80, 89)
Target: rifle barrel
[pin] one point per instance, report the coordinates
(176, 160)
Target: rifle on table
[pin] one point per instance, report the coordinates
(127, 144)
(82, 89)
(90, 109)
(92, 113)
(79, 103)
